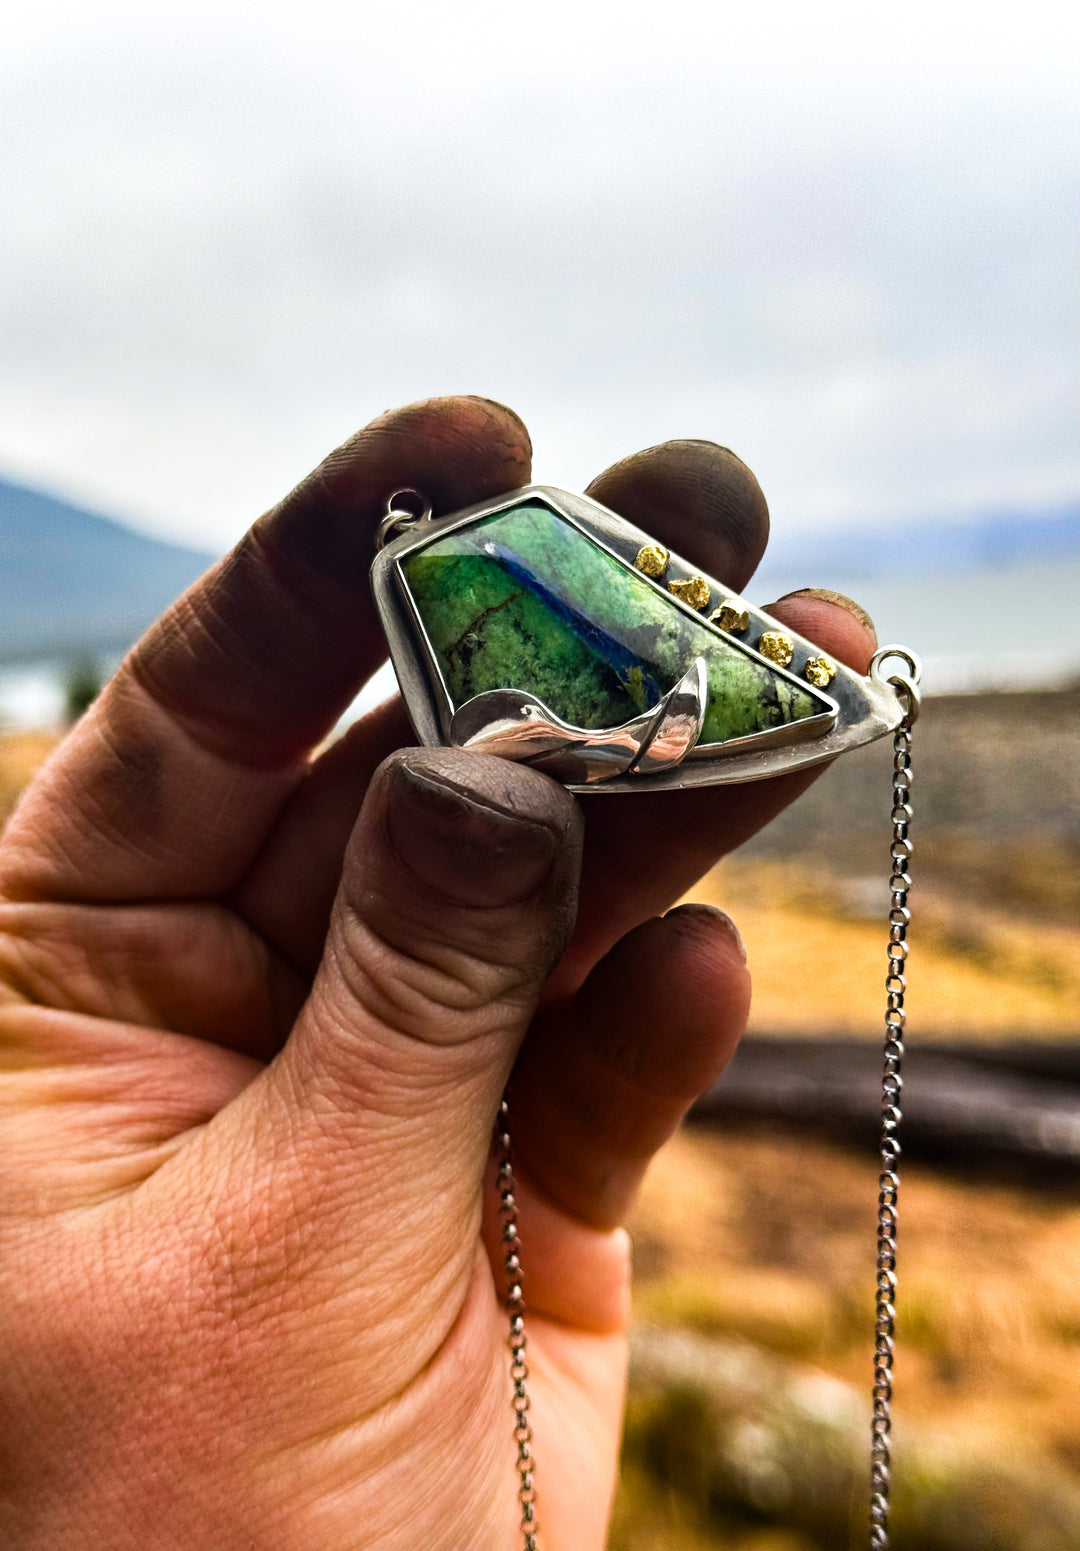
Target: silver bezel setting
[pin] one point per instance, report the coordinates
(858, 709)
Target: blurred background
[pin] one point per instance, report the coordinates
(842, 241)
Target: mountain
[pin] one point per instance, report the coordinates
(73, 582)
(987, 601)
(990, 541)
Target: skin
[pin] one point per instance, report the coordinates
(258, 1004)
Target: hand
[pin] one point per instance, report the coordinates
(258, 1004)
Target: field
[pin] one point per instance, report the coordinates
(816, 945)
(768, 1239)
(765, 1239)
(20, 755)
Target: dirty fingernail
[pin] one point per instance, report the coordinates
(504, 409)
(696, 914)
(461, 841)
(841, 600)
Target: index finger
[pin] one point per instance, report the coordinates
(168, 786)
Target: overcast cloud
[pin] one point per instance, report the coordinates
(843, 243)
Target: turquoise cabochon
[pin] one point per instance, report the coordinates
(524, 598)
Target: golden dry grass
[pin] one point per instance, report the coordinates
(973, 971)
(650, 1518)
(771, 1238)
(20, 755)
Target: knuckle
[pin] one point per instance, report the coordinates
(435, 991)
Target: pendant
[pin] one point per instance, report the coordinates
(545, 629)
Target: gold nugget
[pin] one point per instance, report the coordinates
(652, 559)
(777, 648)
(730, 617)
(695, 591)
(820, 671)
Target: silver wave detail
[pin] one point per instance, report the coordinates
(515, 725)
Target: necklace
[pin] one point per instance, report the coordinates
(655, 678)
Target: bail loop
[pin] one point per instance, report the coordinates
(402, 518)
(905, 685)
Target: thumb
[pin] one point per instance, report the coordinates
(364, 1143)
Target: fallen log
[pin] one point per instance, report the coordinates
(999, 1104)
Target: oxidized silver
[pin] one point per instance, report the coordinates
(516, 726)
(515, 1308)
(646, 753)
(906, 685)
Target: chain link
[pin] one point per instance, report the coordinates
(891, 1085)
(515, 1305)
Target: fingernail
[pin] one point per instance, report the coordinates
(460, 840)
(505, 410)
(696, 913)
(841, 600)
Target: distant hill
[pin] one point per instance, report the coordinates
(984, 542)
(989, 602)
(73, 582)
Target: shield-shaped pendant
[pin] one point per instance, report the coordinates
(544, 628)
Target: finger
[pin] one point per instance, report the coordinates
(603, 1080)
(574, 1271)
(833, 621)
(365, 1142)
(191, 969)
(696, 497)
(288, 894)
(168, 786)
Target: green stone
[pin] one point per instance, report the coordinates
(525, 600)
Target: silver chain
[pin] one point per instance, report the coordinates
(891, 1084)
(515, 1305)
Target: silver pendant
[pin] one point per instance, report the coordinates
(543, 628)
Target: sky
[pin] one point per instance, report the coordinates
(839, 238)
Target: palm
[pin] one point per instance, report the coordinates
(200, 973)
(310, 1312)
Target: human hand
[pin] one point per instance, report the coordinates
(257, 1009)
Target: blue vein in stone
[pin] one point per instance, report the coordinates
(621, 659)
